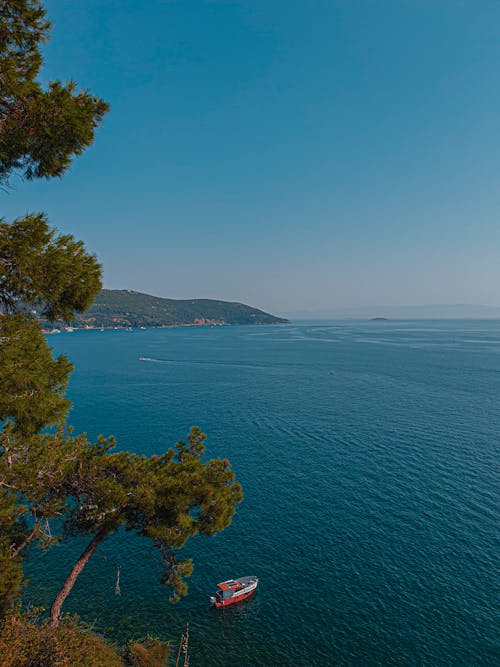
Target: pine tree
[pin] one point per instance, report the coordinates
(41, 130)
(45, 471)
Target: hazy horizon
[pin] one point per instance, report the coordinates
(421, 311)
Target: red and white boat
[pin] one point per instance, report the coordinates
(234, 590)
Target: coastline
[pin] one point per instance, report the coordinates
(50, 332)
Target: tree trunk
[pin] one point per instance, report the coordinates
(17, 551)
(55, 610)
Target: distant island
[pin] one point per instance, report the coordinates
(379, 319)
(127, 308)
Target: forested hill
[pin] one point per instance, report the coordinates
(118, 308)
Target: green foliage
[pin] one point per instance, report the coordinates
(40, 130)
(23, 27)
(32, 383)
(47, 129)
(35, 470)
(12, 529)
(41, 270)
(32, 471)
(28, 641)
(11, 575)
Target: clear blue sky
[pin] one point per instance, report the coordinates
(290, 154)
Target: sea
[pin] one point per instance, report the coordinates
(368, 452)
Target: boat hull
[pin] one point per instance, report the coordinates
(234, 590)
(234, 599)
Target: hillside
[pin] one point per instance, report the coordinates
(126, 308)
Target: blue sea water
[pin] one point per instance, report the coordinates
(368, 453)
